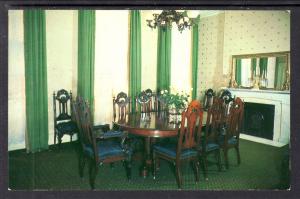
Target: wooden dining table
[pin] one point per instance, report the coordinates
(150, 125)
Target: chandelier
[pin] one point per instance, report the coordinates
(167, 17)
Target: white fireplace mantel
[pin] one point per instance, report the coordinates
(281, 101)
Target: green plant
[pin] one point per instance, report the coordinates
(175, 101)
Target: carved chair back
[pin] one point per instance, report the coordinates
(214, 120)
(121, 106)
(190, 129)
(143, 102)
(160, 104)
(208, 98)
(235, 119)
(227, 102)
(83, 115)
(63, 98)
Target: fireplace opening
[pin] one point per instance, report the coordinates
(259, 120)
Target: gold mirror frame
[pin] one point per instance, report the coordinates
(286, 85)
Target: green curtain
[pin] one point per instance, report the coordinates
(195, 41)
(253, 67)
(135, 60)
(35, 80)
(280, 70)
(263, 66)
(163, 59)
(238, 71)
(86, 55)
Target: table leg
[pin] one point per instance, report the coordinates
(147, 158)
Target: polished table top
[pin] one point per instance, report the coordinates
(152, 124)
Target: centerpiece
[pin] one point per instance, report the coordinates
(176, 103)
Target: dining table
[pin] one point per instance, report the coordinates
(149, 126)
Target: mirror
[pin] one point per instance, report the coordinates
(270, 71)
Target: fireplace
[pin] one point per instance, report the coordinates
(259, 120)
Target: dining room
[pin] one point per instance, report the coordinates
(148, 99)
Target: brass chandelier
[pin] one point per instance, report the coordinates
(167, 17)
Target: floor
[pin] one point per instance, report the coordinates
(262, 167)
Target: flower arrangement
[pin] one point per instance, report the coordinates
(177, 101)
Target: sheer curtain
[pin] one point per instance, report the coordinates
(246, 72)
(181, 60)
(111, 61)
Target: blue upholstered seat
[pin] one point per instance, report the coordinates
(66, 127)
(210, 147)
(105, 149)
(112, 133)
(170, 150)
(231, 141)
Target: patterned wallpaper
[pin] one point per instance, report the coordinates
(248, 32)
(237, 32)
(211, 31)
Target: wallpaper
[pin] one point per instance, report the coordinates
(249, 32)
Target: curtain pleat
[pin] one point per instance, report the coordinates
(86, 55)
(195, 40)
(280, 70)
(263, 67)
(135, 60)
(163, 59)
(238, 72)
(36, 80)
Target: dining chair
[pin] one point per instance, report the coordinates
(143, 102)
(229, 136)
(211, 131)
(160, 104)
(185, 149)
(152, 96)
(227, 98)
(98, 147)
(121, 106)
(63, 123)
(208, 98)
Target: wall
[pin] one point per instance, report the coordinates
(237, 32)
(111, 61)
(149, 52)
(211, 31)
(250, 32)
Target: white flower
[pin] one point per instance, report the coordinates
(162, 92)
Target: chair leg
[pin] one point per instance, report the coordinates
(225, 150)
(112, 165)
(178, 175)
(204, 163)
(154, 165)
(71, 137)
(93, 170)
(59, 140)
(194, 165)
(218, 157)
(82, 160)
(128, 169)
(238, 154)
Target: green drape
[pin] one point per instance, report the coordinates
(163, 59)
(195, 40)
(86, 55)
(253, 67)
(135, 63)
(238, 71)
(36, 80)
(263, 66)
(280, 71)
